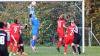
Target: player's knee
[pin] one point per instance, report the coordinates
(21, 44)
(60, 39)
(11, 44)
(34, 37)
(78, 45)
(66, 45)
(72, 44)
(15, 44)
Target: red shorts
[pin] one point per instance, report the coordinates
(16, 37)
(68, 40)
(60, 34)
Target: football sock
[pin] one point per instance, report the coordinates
(33, 43)
(74, 49)
(65, 48)
(15, 48)
(59, 44)
(79, 50)
(11, 47)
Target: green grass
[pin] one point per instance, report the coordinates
(51, 51)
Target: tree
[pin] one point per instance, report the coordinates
(47, 12)
(94, 15)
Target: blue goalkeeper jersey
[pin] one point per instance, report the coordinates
(34, 21)
(35, 25)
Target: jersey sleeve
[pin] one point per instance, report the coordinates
(31, 10)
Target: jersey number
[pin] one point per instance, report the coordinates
(2, 40)
(72, 31)
(15, 29)
(59, 23)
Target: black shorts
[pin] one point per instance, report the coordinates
(77, 38)
(20, 40)
(3, 51)
(21, 49)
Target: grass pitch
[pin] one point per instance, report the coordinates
(51, 51)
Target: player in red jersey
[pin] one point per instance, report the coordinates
(77, 39)
(69, 37)
(14, 36)
(60, 30)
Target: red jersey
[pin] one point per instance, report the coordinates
(70, 31)
(15, 29)
(69, 37)
(60, 25)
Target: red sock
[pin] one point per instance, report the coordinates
(59, 43)
(11, 47)
(15, 48)
(65, 48)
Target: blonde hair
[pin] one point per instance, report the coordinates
(61, 16)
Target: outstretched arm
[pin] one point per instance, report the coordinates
(31, 11)
(31, 8)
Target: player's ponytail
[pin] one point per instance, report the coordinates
(16, 21)
(30, 15)
(1, 24)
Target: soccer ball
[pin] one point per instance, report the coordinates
(33, 3)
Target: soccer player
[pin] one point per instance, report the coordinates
(21, 46)
(3, 41)
(7, 30)
(35, 25)
(76, 42)
(69, 37)
(60, 30)
(20, 50)
(14, 36)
